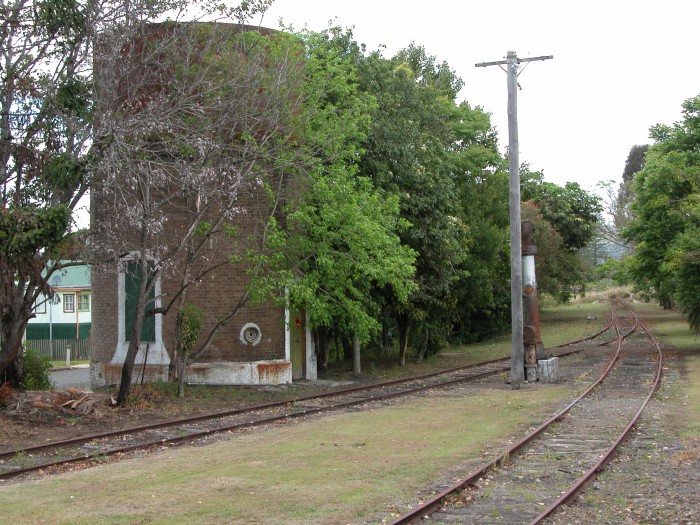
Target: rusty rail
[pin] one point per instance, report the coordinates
(266, 420)
(430, 506)
(600, 465)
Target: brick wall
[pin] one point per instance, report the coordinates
(217, 293)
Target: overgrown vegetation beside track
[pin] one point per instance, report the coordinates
(681, 341)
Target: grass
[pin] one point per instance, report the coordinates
(344, 468)
(62, 363)
(559, 324)
(672, 329)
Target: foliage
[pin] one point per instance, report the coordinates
(45, 131)
(567, 220)
(340, 238)
(350, 245)
(560, 271)
(634, 164)
(572, 211)
(189, 325)
(483, 292)
(422, 147)
(37, 371)
(190, 322)
(618, 203)
(667, 215)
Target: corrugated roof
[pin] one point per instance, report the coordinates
(71, 277)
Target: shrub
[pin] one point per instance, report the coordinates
(37, 371)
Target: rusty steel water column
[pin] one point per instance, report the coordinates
(533, 347)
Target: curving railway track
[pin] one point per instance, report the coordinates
(552, 464)
(96, 448)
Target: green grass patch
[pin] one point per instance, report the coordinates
(558, 324)
(671, 328)
(345, 468)
(693, 396)
(569, 322)
(61, 364)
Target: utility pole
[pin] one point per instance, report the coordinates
(517, 365)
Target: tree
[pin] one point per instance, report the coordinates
(666, 211)
(195, 120)
(568, 217)
(408, 154)
(340, 239)
(618, 199)
(571, 210)
(45, 128)
(625, 195)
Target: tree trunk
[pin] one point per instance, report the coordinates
(14, 373)
(403, 324)
(356, 365)
(424, 347)
(384, 344)
(322, 347)
(347, 348)
(11, 369)
(128, 370)
(181, 368)
(134, 343)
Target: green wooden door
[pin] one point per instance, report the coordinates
(132, 281)
(297, 333)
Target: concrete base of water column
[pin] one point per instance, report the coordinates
(548, 370)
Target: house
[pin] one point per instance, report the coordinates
(250, 343)
(65, 319)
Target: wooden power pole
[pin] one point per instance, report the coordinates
(517, 365)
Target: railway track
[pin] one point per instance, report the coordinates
(97, 447)
(552, 464)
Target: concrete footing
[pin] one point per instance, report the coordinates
(274, 372)
(548, 370)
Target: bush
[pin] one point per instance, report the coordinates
(37, 371)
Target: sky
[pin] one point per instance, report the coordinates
(619, 67)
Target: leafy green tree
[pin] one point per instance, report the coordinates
(567, 219)
(45, 127)
(483, 307)
(37, 371)
(408, 154)
(340, 239)
(189, 324)
(625, 195)
(667, 215)
(572, 211)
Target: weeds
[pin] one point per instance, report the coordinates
(22, 458)
(37, 371)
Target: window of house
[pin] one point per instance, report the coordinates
(68, 302)
(40, 305)
(84, 302)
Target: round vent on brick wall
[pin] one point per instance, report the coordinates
(250, 334)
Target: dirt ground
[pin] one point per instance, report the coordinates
(33, 418)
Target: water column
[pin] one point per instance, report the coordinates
(533, 347)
